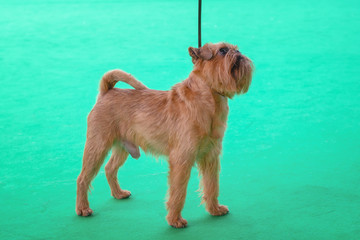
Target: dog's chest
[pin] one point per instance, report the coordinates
(212, 142)
(219, 119)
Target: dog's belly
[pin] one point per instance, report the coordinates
(155, 149)
(151, 135)
(152, 139)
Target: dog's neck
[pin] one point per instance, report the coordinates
(196, 79)
(216, 104)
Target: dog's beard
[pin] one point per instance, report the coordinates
(240, 69)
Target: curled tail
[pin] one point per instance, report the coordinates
(110, 78)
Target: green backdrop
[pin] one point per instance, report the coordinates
(291, 159)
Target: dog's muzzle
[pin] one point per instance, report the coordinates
(238, 59)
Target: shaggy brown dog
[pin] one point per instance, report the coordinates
(186, 123)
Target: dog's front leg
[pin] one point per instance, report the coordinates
(209, 168)
(179, 174)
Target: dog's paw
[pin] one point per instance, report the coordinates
(219, 210)
(121, 194)
(178, 223)
(84, 212)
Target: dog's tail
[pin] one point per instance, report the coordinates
(110, 78)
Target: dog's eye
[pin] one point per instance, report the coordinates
(223, 51)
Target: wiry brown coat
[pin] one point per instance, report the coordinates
(186, 123)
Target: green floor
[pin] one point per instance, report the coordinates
(291, 160)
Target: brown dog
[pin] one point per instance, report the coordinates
(186, 123)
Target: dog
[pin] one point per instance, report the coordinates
(186, 124)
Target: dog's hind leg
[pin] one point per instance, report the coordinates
(117, 159)
(94, 155)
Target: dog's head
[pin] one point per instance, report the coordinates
(224, 68)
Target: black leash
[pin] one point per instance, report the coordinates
(199, 25)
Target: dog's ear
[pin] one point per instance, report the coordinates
(194, 54)
(204, 53)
